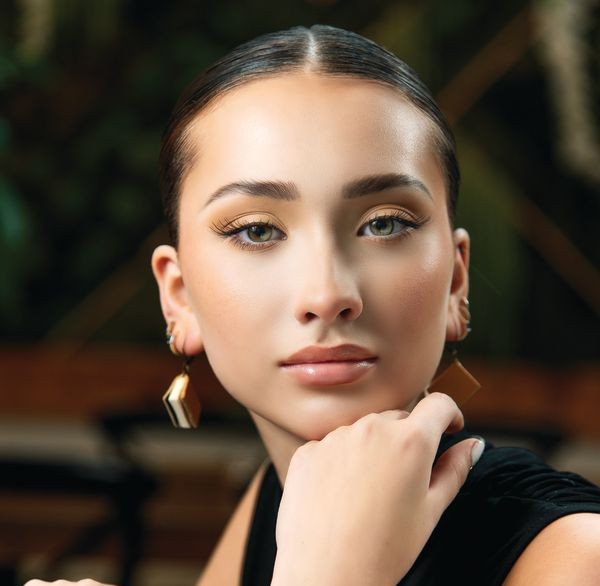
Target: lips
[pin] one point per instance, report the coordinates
(344, 352)
(319, 366)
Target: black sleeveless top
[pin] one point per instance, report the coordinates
(508, 498)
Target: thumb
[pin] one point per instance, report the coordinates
(451, 469)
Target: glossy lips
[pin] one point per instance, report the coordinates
(319, 366)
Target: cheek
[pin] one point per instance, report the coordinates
(414, 283)
(234, 306)
(408, 298)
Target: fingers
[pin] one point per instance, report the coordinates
(394, 414)
(437, 413)
(451, 470)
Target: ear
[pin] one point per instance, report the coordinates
(174, 300)
(459, 287)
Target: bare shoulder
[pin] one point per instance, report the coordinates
(565, 552)
(224, 568)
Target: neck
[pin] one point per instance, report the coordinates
(279, 443)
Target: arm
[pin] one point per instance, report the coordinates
(224, 568)
(566, 552)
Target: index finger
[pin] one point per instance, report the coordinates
(437, 413)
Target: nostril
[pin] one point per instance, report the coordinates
(346, 312)
(328, 307)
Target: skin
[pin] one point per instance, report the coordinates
(332, 280)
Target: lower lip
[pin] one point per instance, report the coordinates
(329, 373)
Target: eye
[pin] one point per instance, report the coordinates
(391, 224)
(257, 235)
(259, 232)
(254, 235)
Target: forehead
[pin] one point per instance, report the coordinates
(310, 128)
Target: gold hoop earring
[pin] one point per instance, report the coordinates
(455, 380)
(181, 402)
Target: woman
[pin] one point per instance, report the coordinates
(310, 184)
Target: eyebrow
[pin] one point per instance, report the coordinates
(288, 191)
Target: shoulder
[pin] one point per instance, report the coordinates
(517, 473)
(517, 493)
(565, 552)
(512, 511)
(555, 518)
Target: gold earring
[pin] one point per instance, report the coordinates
(181, 402)
(463, 309)
(455, 380)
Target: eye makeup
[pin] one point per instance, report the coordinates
(401, 223)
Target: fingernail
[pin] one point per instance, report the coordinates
(477, 450)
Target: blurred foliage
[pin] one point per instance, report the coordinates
(86, 89)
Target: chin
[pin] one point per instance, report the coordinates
(318, 426)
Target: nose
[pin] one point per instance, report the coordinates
(327, 289)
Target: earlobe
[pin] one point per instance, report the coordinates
(174, 298)
(459, 288)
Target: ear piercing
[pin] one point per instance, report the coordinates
(455, 380)
(465, 314)
(181, 402)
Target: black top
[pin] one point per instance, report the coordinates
(508, 498)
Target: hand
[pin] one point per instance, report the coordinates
(86, 582)
(359, 505)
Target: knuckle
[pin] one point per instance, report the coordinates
(305, 448)
(444, 399)
(334, 435)
(302, 453)
(366, 425)
(367, 419)
(394, 414)
(415, 438)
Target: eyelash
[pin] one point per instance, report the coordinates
(231, 230)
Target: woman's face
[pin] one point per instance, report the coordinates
(315, 267)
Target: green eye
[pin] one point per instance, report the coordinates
(387, 225)
(382, 226)
(251, 235)
(260, 232)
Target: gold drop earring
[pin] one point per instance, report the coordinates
(181, 402)
(455, 380)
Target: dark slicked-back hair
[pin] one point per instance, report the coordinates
(320, 49)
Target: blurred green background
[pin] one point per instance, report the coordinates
(86, 89)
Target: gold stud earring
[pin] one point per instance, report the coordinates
(181, 402)
(455, 380)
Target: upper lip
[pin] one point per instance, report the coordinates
(323, 354)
